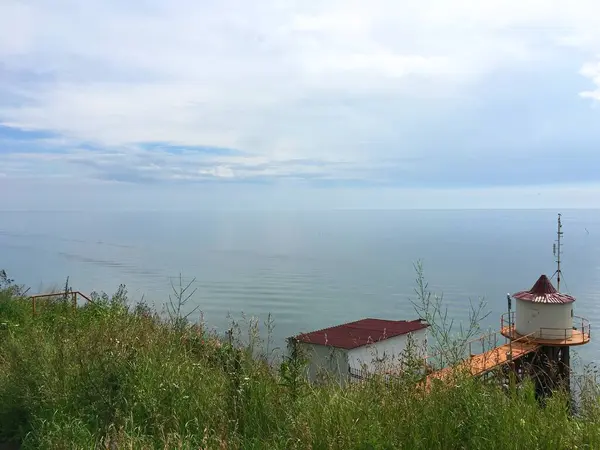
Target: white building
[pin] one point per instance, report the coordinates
(543, 313)
(362, 347)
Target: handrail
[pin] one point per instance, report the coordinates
(528, 339)
(493, 353)
(468, 344)
(521, 339)
(65, 295)
(510, 322)
(580, 324)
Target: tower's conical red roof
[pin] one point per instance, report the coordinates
(544, 292)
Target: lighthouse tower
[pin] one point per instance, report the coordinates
(545, 317)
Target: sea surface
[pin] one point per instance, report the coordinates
(308, 270)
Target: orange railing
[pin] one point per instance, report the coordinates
(440, 359)
(71, 295)
(580, 324)
(507, 321)
(482, 345)
(484, 353)
(497, 347)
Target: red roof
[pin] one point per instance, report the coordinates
(361, 332)
(543, 292)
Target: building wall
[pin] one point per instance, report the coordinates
(532, 317)
(324, 359)
(378, 356)
(385, 354)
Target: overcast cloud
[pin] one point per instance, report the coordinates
(299, 104)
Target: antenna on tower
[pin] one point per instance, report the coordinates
(556, 248)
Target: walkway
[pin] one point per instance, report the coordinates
(484, 362)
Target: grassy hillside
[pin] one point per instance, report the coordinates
(109, 376)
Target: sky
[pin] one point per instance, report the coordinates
(187, 104)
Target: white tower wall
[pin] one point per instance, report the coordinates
(546, 320)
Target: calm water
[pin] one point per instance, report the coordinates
(309, 270)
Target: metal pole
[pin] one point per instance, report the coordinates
(510, 326)
(557, 250)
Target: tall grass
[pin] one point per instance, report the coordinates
(112, 376)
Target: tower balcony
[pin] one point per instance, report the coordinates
(578, 335)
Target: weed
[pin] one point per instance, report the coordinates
(111, 376)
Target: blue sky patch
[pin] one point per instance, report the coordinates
(21, 134)
(181, 149)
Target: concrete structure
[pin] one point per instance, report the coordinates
(544, 317)
(539, 336)
(360, 348)
(543, 312)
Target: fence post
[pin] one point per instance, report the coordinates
(33, 305)
(74, 299)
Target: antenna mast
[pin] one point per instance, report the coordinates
(557, 251)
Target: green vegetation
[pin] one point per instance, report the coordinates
(111, 376)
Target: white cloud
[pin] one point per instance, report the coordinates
(271, 78)
(592, 71)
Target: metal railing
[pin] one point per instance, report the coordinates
(483, 345)
(488, 347)
(580, 324)
(443, 358)
(65, 296)
(507, 320)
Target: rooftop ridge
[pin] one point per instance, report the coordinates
(329, 328)
(360, 332)
(543, 286)
(348, 324)
(543, 291)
